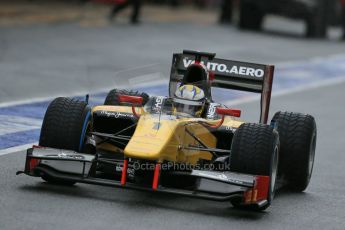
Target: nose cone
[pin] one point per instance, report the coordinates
(154, 139)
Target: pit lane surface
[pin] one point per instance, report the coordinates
(29, 203)
(64, 59)
(42, 61)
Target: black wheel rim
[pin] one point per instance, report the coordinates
(274, 170)
(312, 155)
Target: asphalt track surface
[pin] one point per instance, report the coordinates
(29, 203)
(62, 59)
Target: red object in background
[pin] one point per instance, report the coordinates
(111, 1)
(343, 2)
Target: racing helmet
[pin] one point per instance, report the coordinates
(189, 101)
(198, 75)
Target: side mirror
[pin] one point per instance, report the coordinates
(131, 99)
(225, 112)
(228, 112)
(134, 100)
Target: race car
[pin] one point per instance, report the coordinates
(318, 15)
(179, 144)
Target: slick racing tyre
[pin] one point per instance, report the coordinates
(255, 150)
(64, 127)
(298, 135)
(113, 96)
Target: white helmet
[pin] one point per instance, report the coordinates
(189, 100)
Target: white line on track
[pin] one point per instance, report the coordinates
(148, 80)
(13, 124)
(16, 149)
(78, 94)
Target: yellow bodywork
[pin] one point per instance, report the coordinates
(163, 138)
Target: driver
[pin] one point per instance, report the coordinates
(189, 101)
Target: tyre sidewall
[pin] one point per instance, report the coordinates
(274, 166)
(65, 124)
(298, 135)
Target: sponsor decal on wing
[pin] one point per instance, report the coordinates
(115, 114)
(223, 68)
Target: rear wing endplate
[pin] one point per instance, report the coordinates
(229, 74)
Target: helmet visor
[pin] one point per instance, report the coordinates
(188, 108)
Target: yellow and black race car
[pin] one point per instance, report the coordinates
(184, 143)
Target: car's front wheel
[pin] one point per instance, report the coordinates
(255, 150)
(64, 127)
(298, 135)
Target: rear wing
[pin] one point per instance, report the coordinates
(228, 74)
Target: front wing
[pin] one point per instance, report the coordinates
(78, 167)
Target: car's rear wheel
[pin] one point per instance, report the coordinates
(113, 96)
(255, 150)
(298, 135)
(64, 127)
